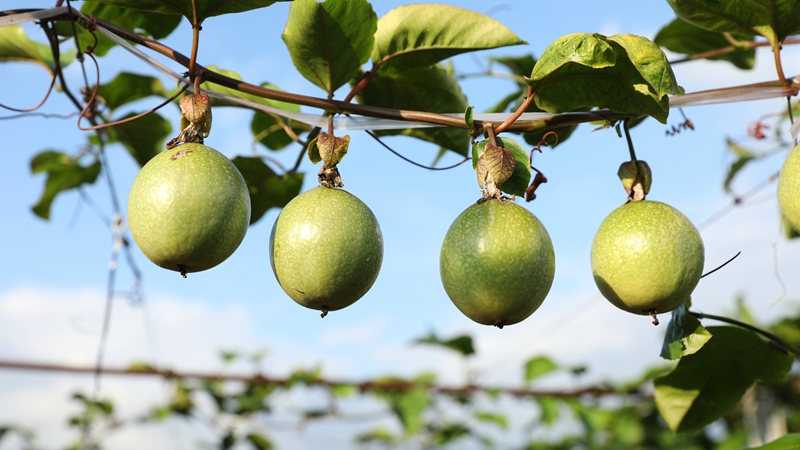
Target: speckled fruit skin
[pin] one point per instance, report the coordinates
(789, 188)
(326, 249)
(647, 256)
(497, 263)
(189, 206)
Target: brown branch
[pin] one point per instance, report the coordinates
(364, 386)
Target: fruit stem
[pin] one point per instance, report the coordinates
(654, 314)
(324, 310)
(786, 346)
(182, 270)
(630, 141)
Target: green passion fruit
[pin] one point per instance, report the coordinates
(497, 263)
(789, 189)
(189, 208)
(326, 249)
(647, 258)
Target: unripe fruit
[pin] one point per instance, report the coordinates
(497, 263)
(647, 257)
(326, 249)
(189, 208)
(789, 188)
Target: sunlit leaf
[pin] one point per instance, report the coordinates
(204, 8)
(63, 173)
(625, 73)
(431, 89)
(685, 335)
(144, 137)
(330, 41)
(773, 19)
(786, 442)
(16, 46)
(682, 37)
(521, 176)
(709, 383)
(267, 189)
(421, 35)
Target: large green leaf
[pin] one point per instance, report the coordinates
(267, 189)
(685, 335)
(787, 442)
(330, 41)
(128, 87)
(15, 46)
(521, 177)
(625, 73)
(157, 26)
(144, 137)
(421, 35)
(683, 37)
(709, 383)
(63, 173)
(773, 19)
(431, 89)
(204, 8)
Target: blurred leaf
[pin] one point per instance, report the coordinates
(208, 86)
(521, 177)
(709, 383)
(228, 441)
(260, 442)
(267, 189)
(128, 87)
(743, 155)
(624, 73)
(549, 409)
(447, 433)
(416, 36)
(460, 344)
(205, 8)
(787, 442)
(538, 366)
(253, 399)
(745, 315)
(305, 377)
(498, 419)
(330, 41)
(267, 130)
(688, 39)
(773, 19)
(140, 367)
(15, 46)
(63, 173)
(229, 356)
(144, 137)
(408, 405)
(379, 435)
(468, 118)
(182, 402)
(431, 89)
(685, 335)
(343, 390)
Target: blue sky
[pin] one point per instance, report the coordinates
(54, 274)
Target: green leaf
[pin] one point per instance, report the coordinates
(330, 41)
(497, 419)
(343, 390)
(260, 442)
(625, 73)
(468, 118)
(208, 86)
(205, 8)
(773, 19)
(267, 189)
(15, 46)
(460, 344)
(157, 26)
(521, 176)
(413, 36)
(63, 173)
(271, 134)
(549, 409)
(144, 137)
(408, 406)
(128, 87)
(538, 366)
(521, 66)
(709, 383)
(786, 442)
(743, 156)
(680, 36)
(685, 335)
(431, 89)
